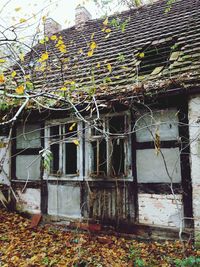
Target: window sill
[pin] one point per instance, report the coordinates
(109, 179)
(63, 178)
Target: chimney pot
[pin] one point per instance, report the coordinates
(51, 27)
(81, 16)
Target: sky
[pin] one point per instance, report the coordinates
(63, 11)
(32, 12)
(60, 10)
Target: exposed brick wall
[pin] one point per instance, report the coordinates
(159, 209)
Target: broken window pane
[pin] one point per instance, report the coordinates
(28, 136)
(116, 124)
(70, 158)
(4, 130)
(99, 129)
(28, 167)
(118, 157)
(55, 158)
(99, 159)
(154, 56)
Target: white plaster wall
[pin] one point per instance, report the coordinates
(4, 175)
(160, 210)
(29, 200)
(194, 132)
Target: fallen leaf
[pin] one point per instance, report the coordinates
(20, 90)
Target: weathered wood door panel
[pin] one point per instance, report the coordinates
(109, 202)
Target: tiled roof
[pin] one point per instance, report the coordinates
(140, 49)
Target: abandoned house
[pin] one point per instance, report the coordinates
(112, 134)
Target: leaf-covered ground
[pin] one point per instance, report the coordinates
(49, 246)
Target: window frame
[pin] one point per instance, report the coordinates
(170, 143)
(62, 155)
(89, 138)
(26, 151)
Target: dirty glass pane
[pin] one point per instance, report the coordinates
(164, 122)
(99, 158)
(28, 136)
(28, 167)
(118, 157)
(70, 158)
(151, 167)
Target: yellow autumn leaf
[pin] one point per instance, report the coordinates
(141, 55)
(76, 142)
(105, 23)
(44, 19)
(2, 78)
(21, 57)
(92, 35)
(20, 90)
(108, 30)
(62, 48)
(22, 20)
(44, 57)
(109, 67)
(72, 82)
(53, 37)
(27, 76)
(18, 9)
(72, 126)
(14, 73)
(67, 82)
(93, 45)
(90, 53)
(60, 42)
(42, 41)
(98, 65)
(63, 88)
(2, 60)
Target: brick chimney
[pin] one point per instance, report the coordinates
(81, 16)
(51, 27)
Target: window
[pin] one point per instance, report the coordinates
(64, 140)
(155, 57)
(108, 148)
(151, 166)
(26, 149)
